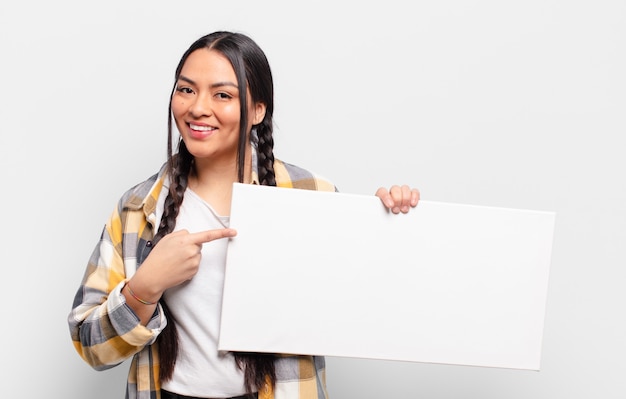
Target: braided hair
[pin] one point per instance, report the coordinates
(253, 72)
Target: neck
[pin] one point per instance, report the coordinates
(213, 181)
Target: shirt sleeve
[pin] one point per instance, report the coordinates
(104, 329)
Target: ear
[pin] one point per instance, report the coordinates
(259, 113)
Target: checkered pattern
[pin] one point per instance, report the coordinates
(106, 332)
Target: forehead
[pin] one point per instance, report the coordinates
(208, 65)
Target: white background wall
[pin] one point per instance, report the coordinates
(500, 103)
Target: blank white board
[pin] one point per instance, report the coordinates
(337, 274)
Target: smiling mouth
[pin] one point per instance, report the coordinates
(201, 128)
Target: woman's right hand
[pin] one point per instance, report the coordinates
(174, 260)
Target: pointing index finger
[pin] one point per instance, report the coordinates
(210, 235)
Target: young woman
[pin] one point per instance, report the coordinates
(165, 314)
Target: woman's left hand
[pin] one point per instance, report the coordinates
(399, 198)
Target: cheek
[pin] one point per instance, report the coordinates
(231, 112)
(178, 107)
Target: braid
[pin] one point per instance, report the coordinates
(179, 168)
(259, 368)
(266, 153)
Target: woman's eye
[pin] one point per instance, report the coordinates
(185, 90)
(223, 96)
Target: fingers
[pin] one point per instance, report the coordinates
(210, 235)
(399, 198)
(415, 197)
(384, 196)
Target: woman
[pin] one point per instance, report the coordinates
(165, 314)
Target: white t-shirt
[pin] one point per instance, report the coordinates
(200, 370)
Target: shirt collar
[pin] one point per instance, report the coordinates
(254, 178)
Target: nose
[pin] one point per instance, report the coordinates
(201, 106)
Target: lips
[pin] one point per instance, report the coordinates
(200, 131)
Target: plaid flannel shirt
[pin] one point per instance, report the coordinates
(106, 332)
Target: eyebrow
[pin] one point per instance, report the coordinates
(212, 85)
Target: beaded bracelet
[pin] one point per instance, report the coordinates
(130, 291)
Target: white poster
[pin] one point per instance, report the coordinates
(338, 275)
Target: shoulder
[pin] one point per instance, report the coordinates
(292, 176)
(141, 193)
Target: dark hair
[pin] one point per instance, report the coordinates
(253, 71)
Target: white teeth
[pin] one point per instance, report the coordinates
(202, 128)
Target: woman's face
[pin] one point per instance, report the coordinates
(205, 106)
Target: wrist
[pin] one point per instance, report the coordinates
(140, 296)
